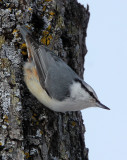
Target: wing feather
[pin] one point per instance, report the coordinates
(54, 75)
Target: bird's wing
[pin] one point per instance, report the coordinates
(59, 79)
(34, 54)
(54, 75)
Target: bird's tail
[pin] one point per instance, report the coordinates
(31, 45)
(25, 32)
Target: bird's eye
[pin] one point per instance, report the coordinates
(91, 90)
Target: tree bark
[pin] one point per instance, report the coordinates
(28, 130)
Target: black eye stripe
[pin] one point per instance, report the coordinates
(86, 89)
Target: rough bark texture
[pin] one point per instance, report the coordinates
(28, 130)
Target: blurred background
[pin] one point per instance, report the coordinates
(106, 71)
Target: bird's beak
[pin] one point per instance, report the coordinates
(102, 106)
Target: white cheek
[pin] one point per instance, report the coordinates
(77, 92)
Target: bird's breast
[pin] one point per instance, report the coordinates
(75, 102)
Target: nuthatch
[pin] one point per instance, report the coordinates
(53, 82)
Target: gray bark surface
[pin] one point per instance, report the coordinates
(28, 130)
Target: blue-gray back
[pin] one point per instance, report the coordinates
(54, 74)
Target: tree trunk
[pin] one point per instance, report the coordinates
(28, 130)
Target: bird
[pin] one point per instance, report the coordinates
(52, 81)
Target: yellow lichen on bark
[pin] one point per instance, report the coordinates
(2, 40)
